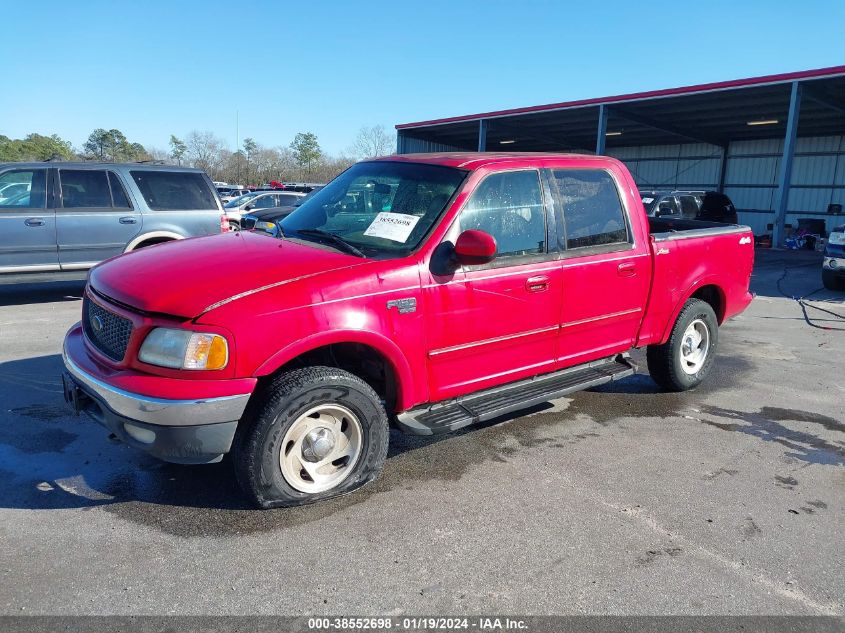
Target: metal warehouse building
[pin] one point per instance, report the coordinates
(774, 144)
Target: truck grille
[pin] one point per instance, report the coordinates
(107, 331)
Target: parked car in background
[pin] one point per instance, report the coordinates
(710, 206)
(266, 220)
(430, 291)
(833, 266)
(255, 200)
(227, 195)
(13, 190)
(68, 216)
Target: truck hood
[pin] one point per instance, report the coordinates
(186, 278)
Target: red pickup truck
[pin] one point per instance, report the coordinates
(428, 292)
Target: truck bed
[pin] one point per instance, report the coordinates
(708, 260)
(678, 229)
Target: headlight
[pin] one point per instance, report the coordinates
(268, 227)
(184, 349)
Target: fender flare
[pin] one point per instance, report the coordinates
(685, 296)
(388, 349)
(151, 235)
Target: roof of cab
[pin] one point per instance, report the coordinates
(474, 160)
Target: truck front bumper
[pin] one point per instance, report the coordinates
(184, 431)
(834, 264)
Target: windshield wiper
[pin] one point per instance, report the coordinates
(337, 240)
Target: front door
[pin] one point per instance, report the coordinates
(95, 219)
(27, 223)
(605, 272)
(498, 322)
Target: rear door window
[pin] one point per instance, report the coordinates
(85, 188)
(174, 191)
(592, 210)
(118, 193)
(23, 189)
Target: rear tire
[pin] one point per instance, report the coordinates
(312, 434)
(684, 361)
(832, 281)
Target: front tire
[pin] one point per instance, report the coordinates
(312, 434)
(684, 361)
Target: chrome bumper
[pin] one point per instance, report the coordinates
(158, 411)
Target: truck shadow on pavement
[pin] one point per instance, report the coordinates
(45, 292)
(51, 460)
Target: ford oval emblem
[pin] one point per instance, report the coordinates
(97, 324)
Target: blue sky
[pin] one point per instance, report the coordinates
(153, 68)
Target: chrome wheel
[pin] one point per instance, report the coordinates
(321, 448)
(695, 346)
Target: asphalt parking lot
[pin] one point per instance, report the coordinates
(622, 500)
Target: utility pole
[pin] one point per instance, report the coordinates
(238, 144)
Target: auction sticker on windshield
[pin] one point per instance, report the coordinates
(392, 226)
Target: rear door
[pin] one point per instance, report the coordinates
(95, 219)
(27, 222)
(605, 271)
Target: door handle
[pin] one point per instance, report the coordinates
(128, 219)
(627, 269)
(34, 222)
(537, 284)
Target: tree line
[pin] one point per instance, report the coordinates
(250, 164)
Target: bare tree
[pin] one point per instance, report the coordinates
(373, 141)
(160, 155)
(204, 151)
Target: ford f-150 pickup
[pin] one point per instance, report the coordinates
(428, 292)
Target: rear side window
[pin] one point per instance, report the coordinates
(23, 189)
(118, 193)
(175, 191)
(591, 208)
(84, 188)
(509, 206)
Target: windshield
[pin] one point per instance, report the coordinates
(381, 208)
(649, 202)
(236, 202)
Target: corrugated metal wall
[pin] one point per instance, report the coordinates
(409, 145)
(818, 175)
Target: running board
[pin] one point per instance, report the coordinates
(485, 405)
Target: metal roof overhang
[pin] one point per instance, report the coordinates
(709, 113)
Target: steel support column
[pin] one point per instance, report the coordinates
(482, 135)
(601, 131)
(782, 196)
(723, 169)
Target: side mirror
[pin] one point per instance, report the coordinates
(475, 247)
(249, 207)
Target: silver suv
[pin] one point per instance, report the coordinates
(57, 217)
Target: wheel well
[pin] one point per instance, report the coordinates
(362, 360)
(152, 242)
(712, 295)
